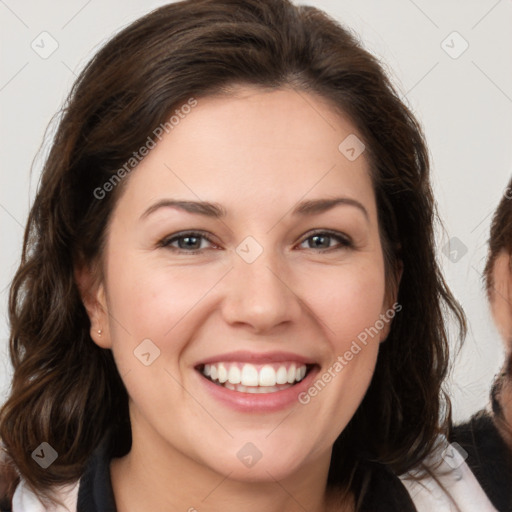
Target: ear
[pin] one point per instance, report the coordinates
(500, 296)
(391, 307)
(92, 293)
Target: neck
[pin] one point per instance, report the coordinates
(157, 476)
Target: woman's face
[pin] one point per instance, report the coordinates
(246, 247)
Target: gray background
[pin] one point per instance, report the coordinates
(463, 103)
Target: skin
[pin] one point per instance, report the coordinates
(258, 154)
(501, 297)
(501, 307)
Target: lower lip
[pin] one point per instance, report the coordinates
(259, 402)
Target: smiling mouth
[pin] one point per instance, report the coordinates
(254, 378)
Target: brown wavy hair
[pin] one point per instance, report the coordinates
(66, 390)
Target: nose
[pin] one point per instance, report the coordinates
(258, 295)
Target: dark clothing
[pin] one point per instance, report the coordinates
(95, 493)
(386, 493)
(489, 458)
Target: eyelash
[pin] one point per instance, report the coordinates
(344, 241)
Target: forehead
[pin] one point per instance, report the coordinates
(256, 146)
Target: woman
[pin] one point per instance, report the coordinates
(228, 280)
(487, 437)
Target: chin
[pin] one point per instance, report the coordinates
(259, 461)
(261, 472)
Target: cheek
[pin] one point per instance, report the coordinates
(348, 308)
(160, 303)
(502, 315)
(150, 299)
(347, 301)
(157, 302)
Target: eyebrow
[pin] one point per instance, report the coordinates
(198, 207)
(316, 206)
(215, 210)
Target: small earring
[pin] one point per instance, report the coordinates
(99, 332)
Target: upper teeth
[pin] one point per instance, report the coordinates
(255, 375)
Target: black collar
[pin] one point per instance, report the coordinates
(95, 492)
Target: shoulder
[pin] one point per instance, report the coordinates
(480, 432)
(24, 499)
(91, 492)
(488, 456)
(445, 482)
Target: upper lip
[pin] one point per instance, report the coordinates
(257, 358)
